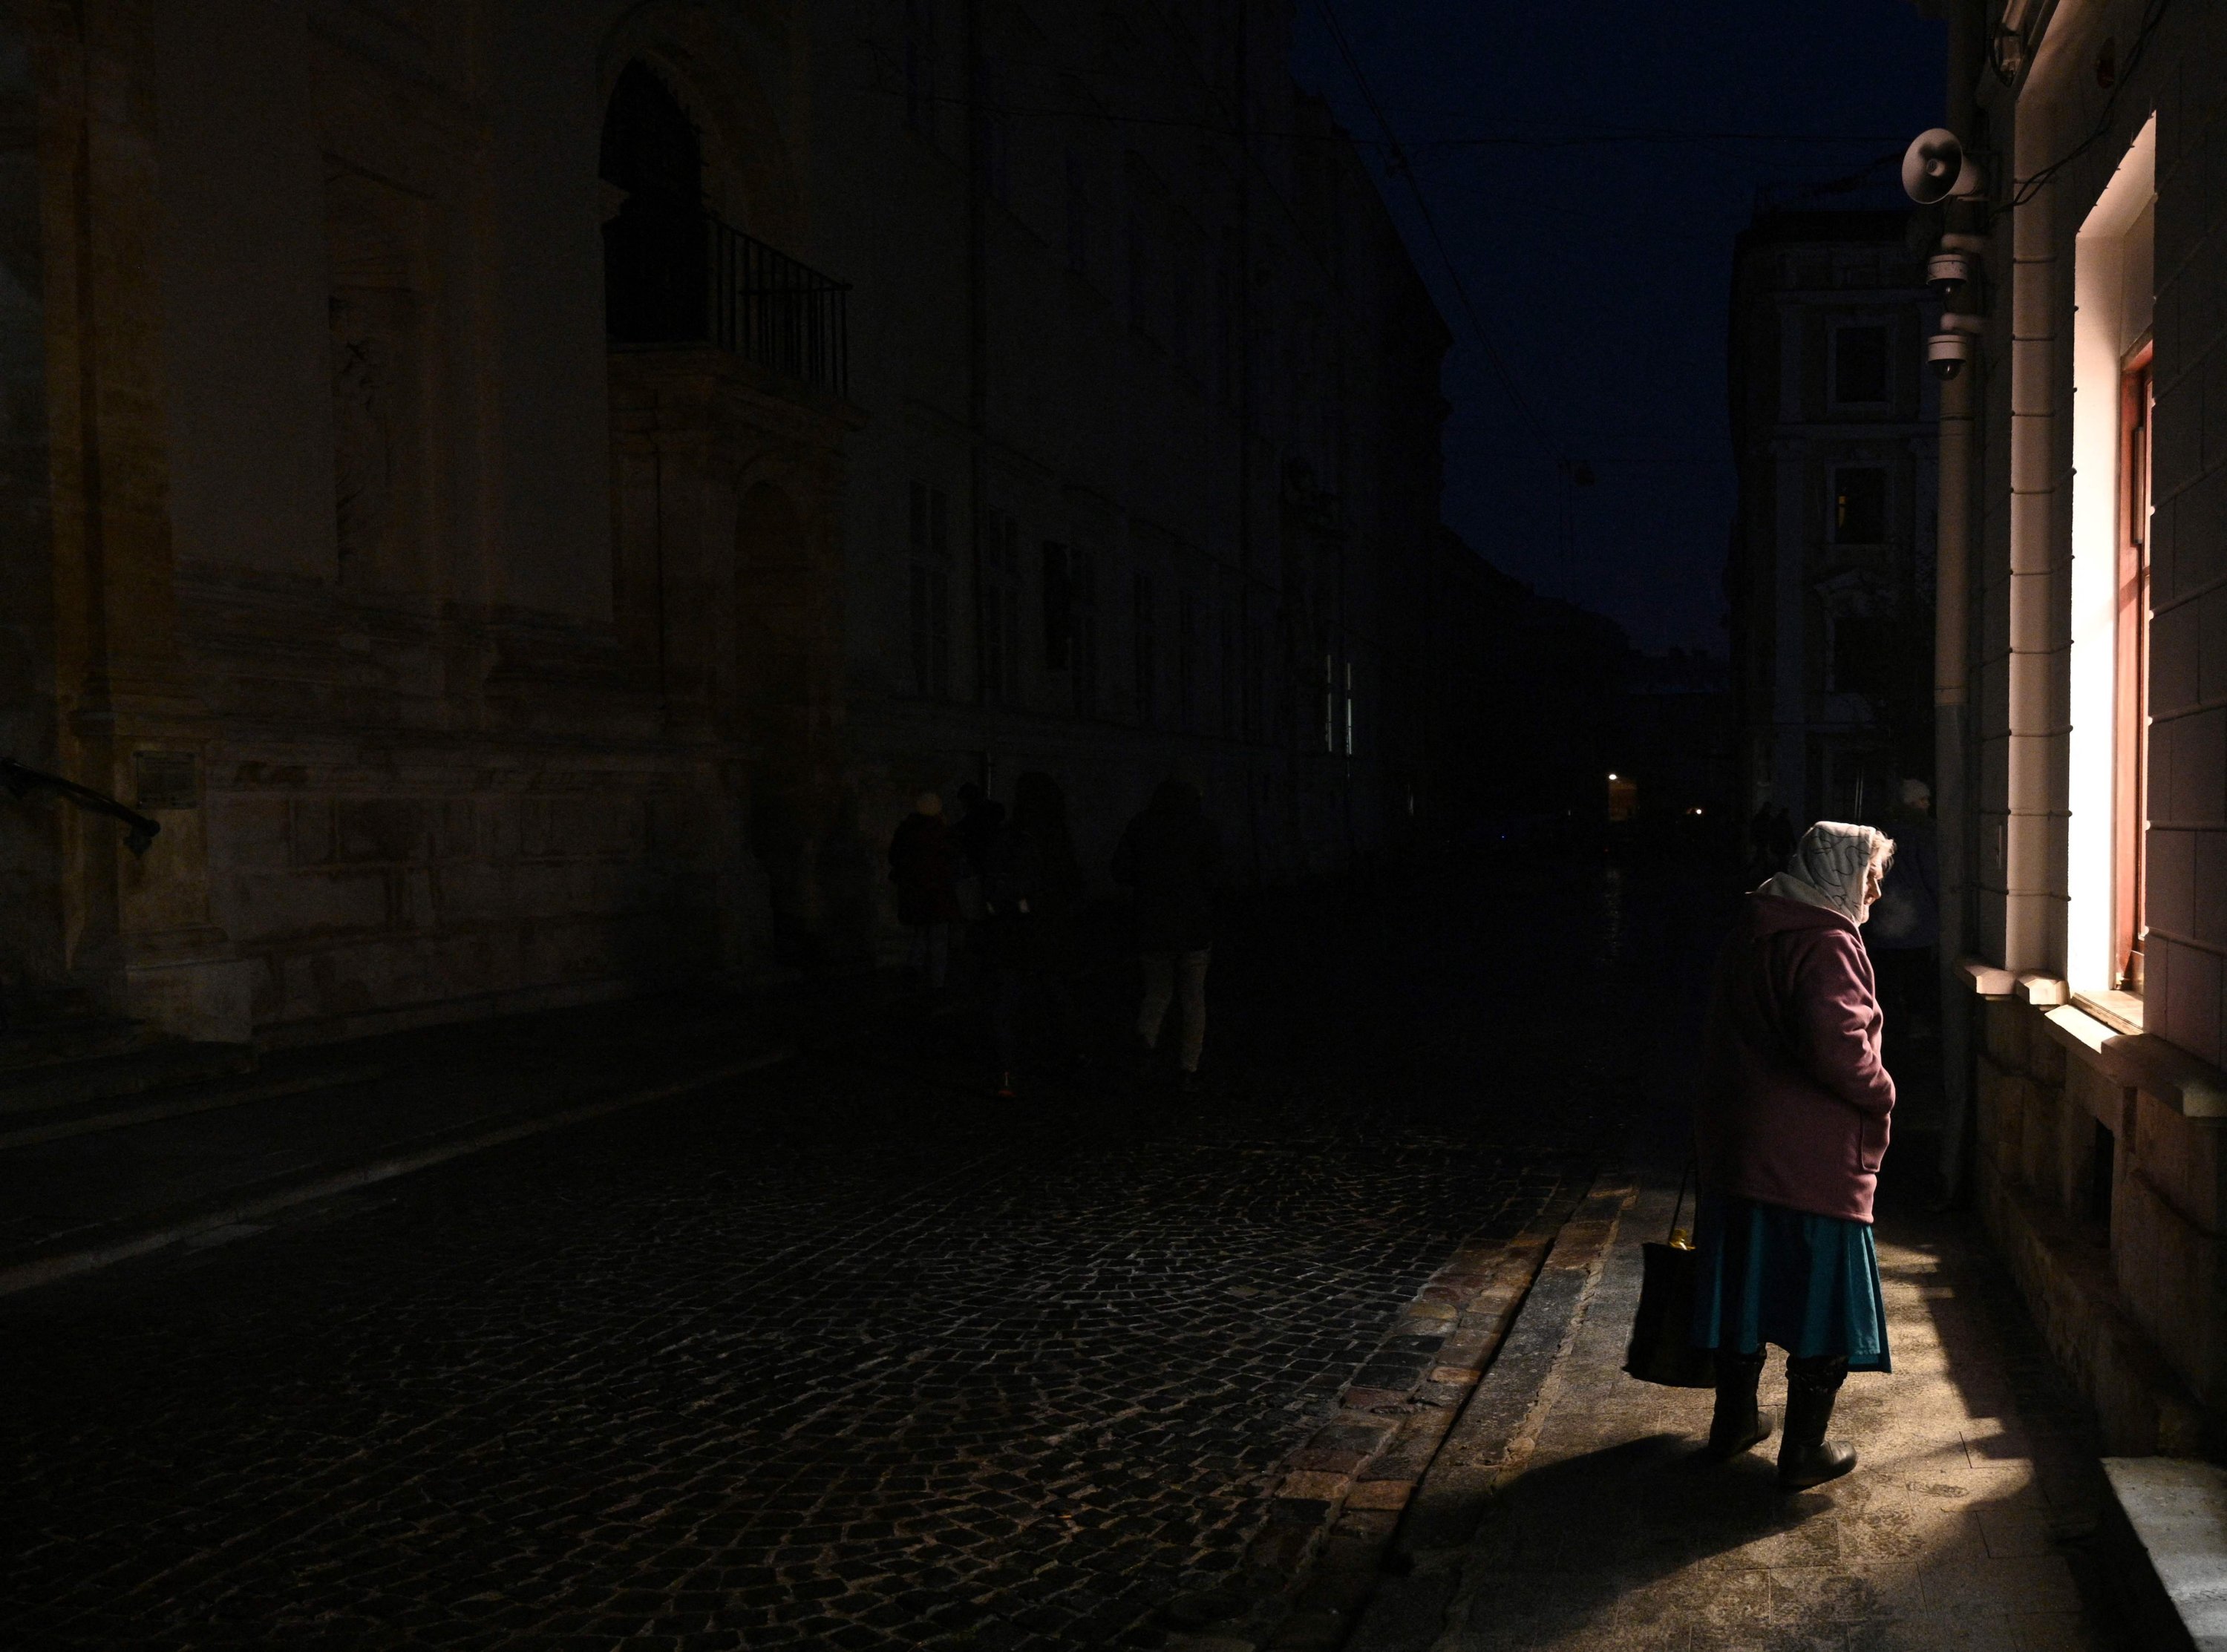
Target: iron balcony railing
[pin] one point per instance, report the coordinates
(769, 308)
(675, 275)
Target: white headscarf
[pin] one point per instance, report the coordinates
(1827, 868)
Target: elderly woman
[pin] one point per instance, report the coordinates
(1789, 1128)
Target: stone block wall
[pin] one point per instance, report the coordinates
(514, 658)
(2188, 551)
(2099, 1166)
(2111, 1206)
(467, 888)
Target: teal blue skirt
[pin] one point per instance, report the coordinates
(1810, 1284)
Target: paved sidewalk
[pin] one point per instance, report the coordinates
(1584, 1519)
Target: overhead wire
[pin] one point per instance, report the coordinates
(1399, 160)
(1539, 137)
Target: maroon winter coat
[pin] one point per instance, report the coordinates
(1794, 1101)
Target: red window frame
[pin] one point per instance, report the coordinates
(2131, 695)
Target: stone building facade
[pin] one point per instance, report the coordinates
(524, 493)
(1830, 572)
(1508, 764)
(2080, 685)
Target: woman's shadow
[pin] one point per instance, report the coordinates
(1651, 1541)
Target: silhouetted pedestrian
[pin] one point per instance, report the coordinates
(1905, 930)
(1005, 938)
(1782, 836)
(980, 820)
(1031, 889)
(1040, 816)
(1760, 857)
(925, 863)
(1789, 1129)
(1170, 856)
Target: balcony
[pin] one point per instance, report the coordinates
(678, 275)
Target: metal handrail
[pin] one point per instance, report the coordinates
(140, 831)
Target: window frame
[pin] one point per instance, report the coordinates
(1082, 629)
(1841, 329)
(1000, 641)
(1144, 639)
(2113, 308)
(1226, 678)
(1081, 212)
(1187, 639)
(1329, 697)
(929, 538)
(1057, 587)
(919, 68)
(1835, 494)
(2130, 697)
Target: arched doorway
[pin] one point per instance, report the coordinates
(727, 470)
(656, 270)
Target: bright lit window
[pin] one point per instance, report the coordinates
(2107, 753)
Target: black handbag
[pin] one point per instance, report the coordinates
(1661, 1349)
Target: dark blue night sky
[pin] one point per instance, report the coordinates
(1602, 270)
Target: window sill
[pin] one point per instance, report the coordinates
(1992, 981)
(2109, 1028)
(2121, 1011)
(1987, 980)
(2142, 1061)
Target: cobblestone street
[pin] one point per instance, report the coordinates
(842, 1356)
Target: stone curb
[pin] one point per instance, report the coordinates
(1340, 1506)
(182, 1103)
(287, 1192)
(1403, 1607)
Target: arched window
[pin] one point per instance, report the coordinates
(656, 272)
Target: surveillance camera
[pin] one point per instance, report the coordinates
(1949, 273)
(1947, 353)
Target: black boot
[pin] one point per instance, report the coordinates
(1806, 1457)
(1737, 1423)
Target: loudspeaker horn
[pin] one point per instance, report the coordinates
(1936, 168)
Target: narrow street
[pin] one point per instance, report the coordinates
(637, 628)
(847, 1355)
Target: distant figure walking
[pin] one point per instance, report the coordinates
(980, 820)
(1789, 1128)
(1007, 936)
(1031, 886)
(1171, 858)
(924, 864)
(1771, 840)
(1782, 836)
(1905, 927)
(1760, 861)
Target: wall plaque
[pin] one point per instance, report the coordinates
(166, 780)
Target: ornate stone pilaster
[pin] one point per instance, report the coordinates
(134, 934)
